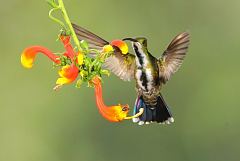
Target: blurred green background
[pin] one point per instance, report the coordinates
(38, 124)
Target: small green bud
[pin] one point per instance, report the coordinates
(79, 83)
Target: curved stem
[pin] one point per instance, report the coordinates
(55, 19)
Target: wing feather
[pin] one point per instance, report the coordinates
(173, 56)
(88, 36)
(121, 65)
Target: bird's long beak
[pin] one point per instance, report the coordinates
(130, 39)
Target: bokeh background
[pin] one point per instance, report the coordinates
(38, 124)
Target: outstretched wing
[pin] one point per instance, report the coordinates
(94, 41)
(120, 64)
(173, 56)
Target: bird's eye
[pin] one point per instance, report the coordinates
(125, 108)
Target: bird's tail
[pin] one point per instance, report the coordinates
(159, 113)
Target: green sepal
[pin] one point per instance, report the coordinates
(105, 72)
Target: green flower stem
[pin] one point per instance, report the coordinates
(91, 67)
(68, 22)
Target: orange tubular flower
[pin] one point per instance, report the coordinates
(114, 113)
(29, 54)
(67, 74)
(67, 45)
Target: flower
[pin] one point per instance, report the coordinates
(67, 45)
(67, 74)
(115, 113)
(108, 48)
(80, 57)
(29, 54)
(121, 45)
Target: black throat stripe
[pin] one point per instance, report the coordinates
(140, 57)
(144, 80)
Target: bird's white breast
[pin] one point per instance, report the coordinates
(143, 75)
(138, 76)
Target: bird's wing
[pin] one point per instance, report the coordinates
(173, 56)
(94, 41)
(120, 64)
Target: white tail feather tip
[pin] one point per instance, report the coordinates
(135, 120)
(171, 119)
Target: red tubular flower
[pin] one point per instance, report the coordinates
(67, 45)
(68, 73)
(114, 113)
(69, 50)
(29, 54)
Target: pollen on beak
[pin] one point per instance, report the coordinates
(121, 45)
(108, 48)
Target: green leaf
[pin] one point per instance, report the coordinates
(79, 83)
(56, 65)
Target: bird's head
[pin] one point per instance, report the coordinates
(142, 41)
(139, 43)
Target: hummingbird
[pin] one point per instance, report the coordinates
(149, 73)
(152, 73)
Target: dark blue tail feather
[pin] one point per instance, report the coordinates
(160, 113)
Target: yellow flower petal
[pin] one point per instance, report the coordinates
(27, 62)
(67, 74)
(61, 81)
(80, 58)
(121, 45)
(108, 48)
(62, 71)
